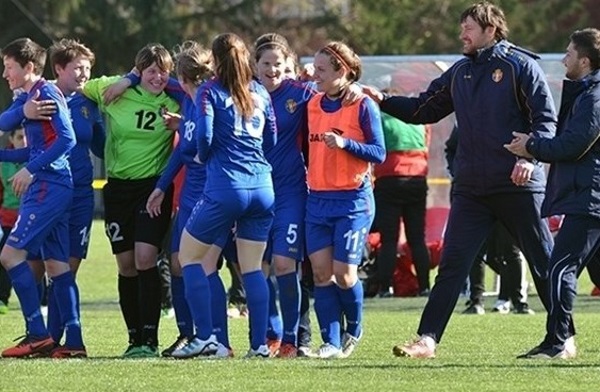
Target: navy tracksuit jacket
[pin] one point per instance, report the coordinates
(499, 90)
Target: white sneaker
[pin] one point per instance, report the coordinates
(349, 343)
(501, 306)
(570, 348)
(196, 347)
(261, 352)
(223, 352)
(328, 350)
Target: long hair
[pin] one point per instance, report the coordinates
(193, 62)
(232, 67)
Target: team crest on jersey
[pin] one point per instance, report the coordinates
(497, 75)
(85, 112)
(291, 105)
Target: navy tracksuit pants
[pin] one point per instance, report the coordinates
(470, 222)
(576, 244)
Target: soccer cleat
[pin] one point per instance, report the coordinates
(329, 351)
(3, 308)
(417, 349)
(177, 344)
(549, 353)
(196, 347)
(223, 352)
(534, 351)
(570, 348)
(305, 352)
(522, 309)
(287, 350)
(273, 345)
(349, 343)
(148, 351)
(132, 351)
(30, 346)
(501, 307)
(261, 352)
(62, 352)
(474, 309)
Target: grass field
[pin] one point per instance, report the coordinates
(477, 354)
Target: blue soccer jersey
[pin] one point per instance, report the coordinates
(41, 227)
(232, 146)
(238, 177)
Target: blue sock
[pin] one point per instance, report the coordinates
(289, 300)
(352, 305)
(274, 326)
(25, 287)
(65, 292)
(197, 294)
(55, 326)
(185, 323)
(329, 313)
(257, 297)
(219, 308)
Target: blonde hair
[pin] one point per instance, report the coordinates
(193, 62)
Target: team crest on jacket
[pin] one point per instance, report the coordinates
(497, 75)
(291, 105)
(85, 112)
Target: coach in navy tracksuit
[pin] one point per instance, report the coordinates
(496, 89)
(573, 185)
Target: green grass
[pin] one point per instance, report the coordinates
(477, 353)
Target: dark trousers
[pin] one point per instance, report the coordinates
(5, 284)
(470, 222)
(401, 198)
(306, 289)
(576, 243)
(504, 258)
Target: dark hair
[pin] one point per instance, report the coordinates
(232, 66)
(193, 62)
(587, 44)
(154, 53)
(67, 50)
(342, 56)
(23, 51)
(487, 15)
(272, 41)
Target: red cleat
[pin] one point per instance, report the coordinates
(30, 346)
(273, 345)
(287, 350)
(62, 352)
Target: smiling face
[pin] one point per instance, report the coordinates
(16, 75)
(74, 75)
(154, 79)
(327, 79)
(474, 37)
(271, 67)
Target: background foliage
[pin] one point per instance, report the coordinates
(116, 29)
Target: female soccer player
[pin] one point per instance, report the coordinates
(235, 123)
(343, 141)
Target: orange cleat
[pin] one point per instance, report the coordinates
(273, 345)
(287, 350)
(62, 352)
(30, 346)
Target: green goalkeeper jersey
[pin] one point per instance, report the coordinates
(138, 143)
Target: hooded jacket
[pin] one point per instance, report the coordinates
(574, 176)
(498, 90)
